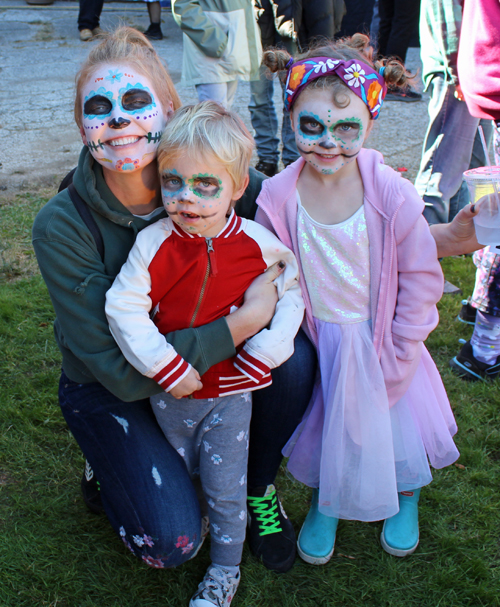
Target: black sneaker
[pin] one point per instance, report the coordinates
(268, 168)
(467, 367)
(154, 32)
(402, 94)
(467, 313)
(270, 534)
(91, 490)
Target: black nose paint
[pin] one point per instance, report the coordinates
(327, 145)
(119, 123)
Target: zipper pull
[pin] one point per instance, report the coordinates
(211, 257)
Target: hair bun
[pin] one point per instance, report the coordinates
(276, 59)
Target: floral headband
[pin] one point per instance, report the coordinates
(362, 80)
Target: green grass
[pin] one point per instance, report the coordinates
(55, 553)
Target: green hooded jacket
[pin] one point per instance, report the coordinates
(77, 281)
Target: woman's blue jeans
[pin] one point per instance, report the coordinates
(146, 490)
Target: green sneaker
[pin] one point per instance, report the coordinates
(270, 533)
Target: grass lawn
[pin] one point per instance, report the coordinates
(55, 553)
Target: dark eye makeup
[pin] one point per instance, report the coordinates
(98, 105)
(136, 99)
(171, 183)
(310, 126)
(207, 187)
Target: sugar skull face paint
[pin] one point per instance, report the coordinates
(197, 194)
(122, 118)
(329, 137)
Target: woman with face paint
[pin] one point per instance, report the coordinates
(371, 280)
(124, 99)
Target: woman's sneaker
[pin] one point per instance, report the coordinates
(217, 588)
(465, 365)
(270, 534)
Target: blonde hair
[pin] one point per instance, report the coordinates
(356, 47)
(208, 129)
(127, 45)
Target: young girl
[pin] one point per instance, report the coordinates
(371, 280)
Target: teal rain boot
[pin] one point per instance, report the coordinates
(317, 536)
(400, 532)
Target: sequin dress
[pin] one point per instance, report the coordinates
(350, 444)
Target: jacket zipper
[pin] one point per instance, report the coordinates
(208, 271)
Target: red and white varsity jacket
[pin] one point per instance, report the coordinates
(173, 280)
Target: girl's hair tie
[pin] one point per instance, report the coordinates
(361, 79)
(289, 64)
(381, 70)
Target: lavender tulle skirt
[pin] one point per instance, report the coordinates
(356, 449)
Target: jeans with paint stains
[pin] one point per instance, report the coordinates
(145, 486)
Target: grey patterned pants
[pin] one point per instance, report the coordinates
(212, 437)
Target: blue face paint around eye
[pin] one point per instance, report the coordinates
(136, 99)
(98, 104)
(310, 125)
(172, 183)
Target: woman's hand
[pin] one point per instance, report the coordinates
(459, 236)
(258, 306)
(189, 384)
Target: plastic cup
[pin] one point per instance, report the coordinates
(484, 190)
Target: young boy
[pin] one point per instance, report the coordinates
(184, 271)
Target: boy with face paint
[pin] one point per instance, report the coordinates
(371, 280)
(212, 256)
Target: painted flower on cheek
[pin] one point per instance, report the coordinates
(296, 76)
(127, 165)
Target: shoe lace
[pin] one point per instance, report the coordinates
(266, 512)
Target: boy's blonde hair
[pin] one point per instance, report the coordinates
(128, 46)
(208, 129)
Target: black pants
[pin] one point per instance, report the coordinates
(398, 23)
(90, 12)
(357, 19)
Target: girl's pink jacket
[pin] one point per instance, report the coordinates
(406, 278)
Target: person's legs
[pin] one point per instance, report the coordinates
(221, 92)
(263, 117)
(154, 10)
(478, 159)
(154, 30)
(89, 14)
(358, 18)
(404, 25)
(386, 15)
(277, 410)
(289, 152)
(261, 106)
(232, 87)
(447, 150)
(145, 487)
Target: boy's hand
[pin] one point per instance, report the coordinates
(258, 307)
(191, 383)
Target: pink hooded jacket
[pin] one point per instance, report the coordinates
(406, 280)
